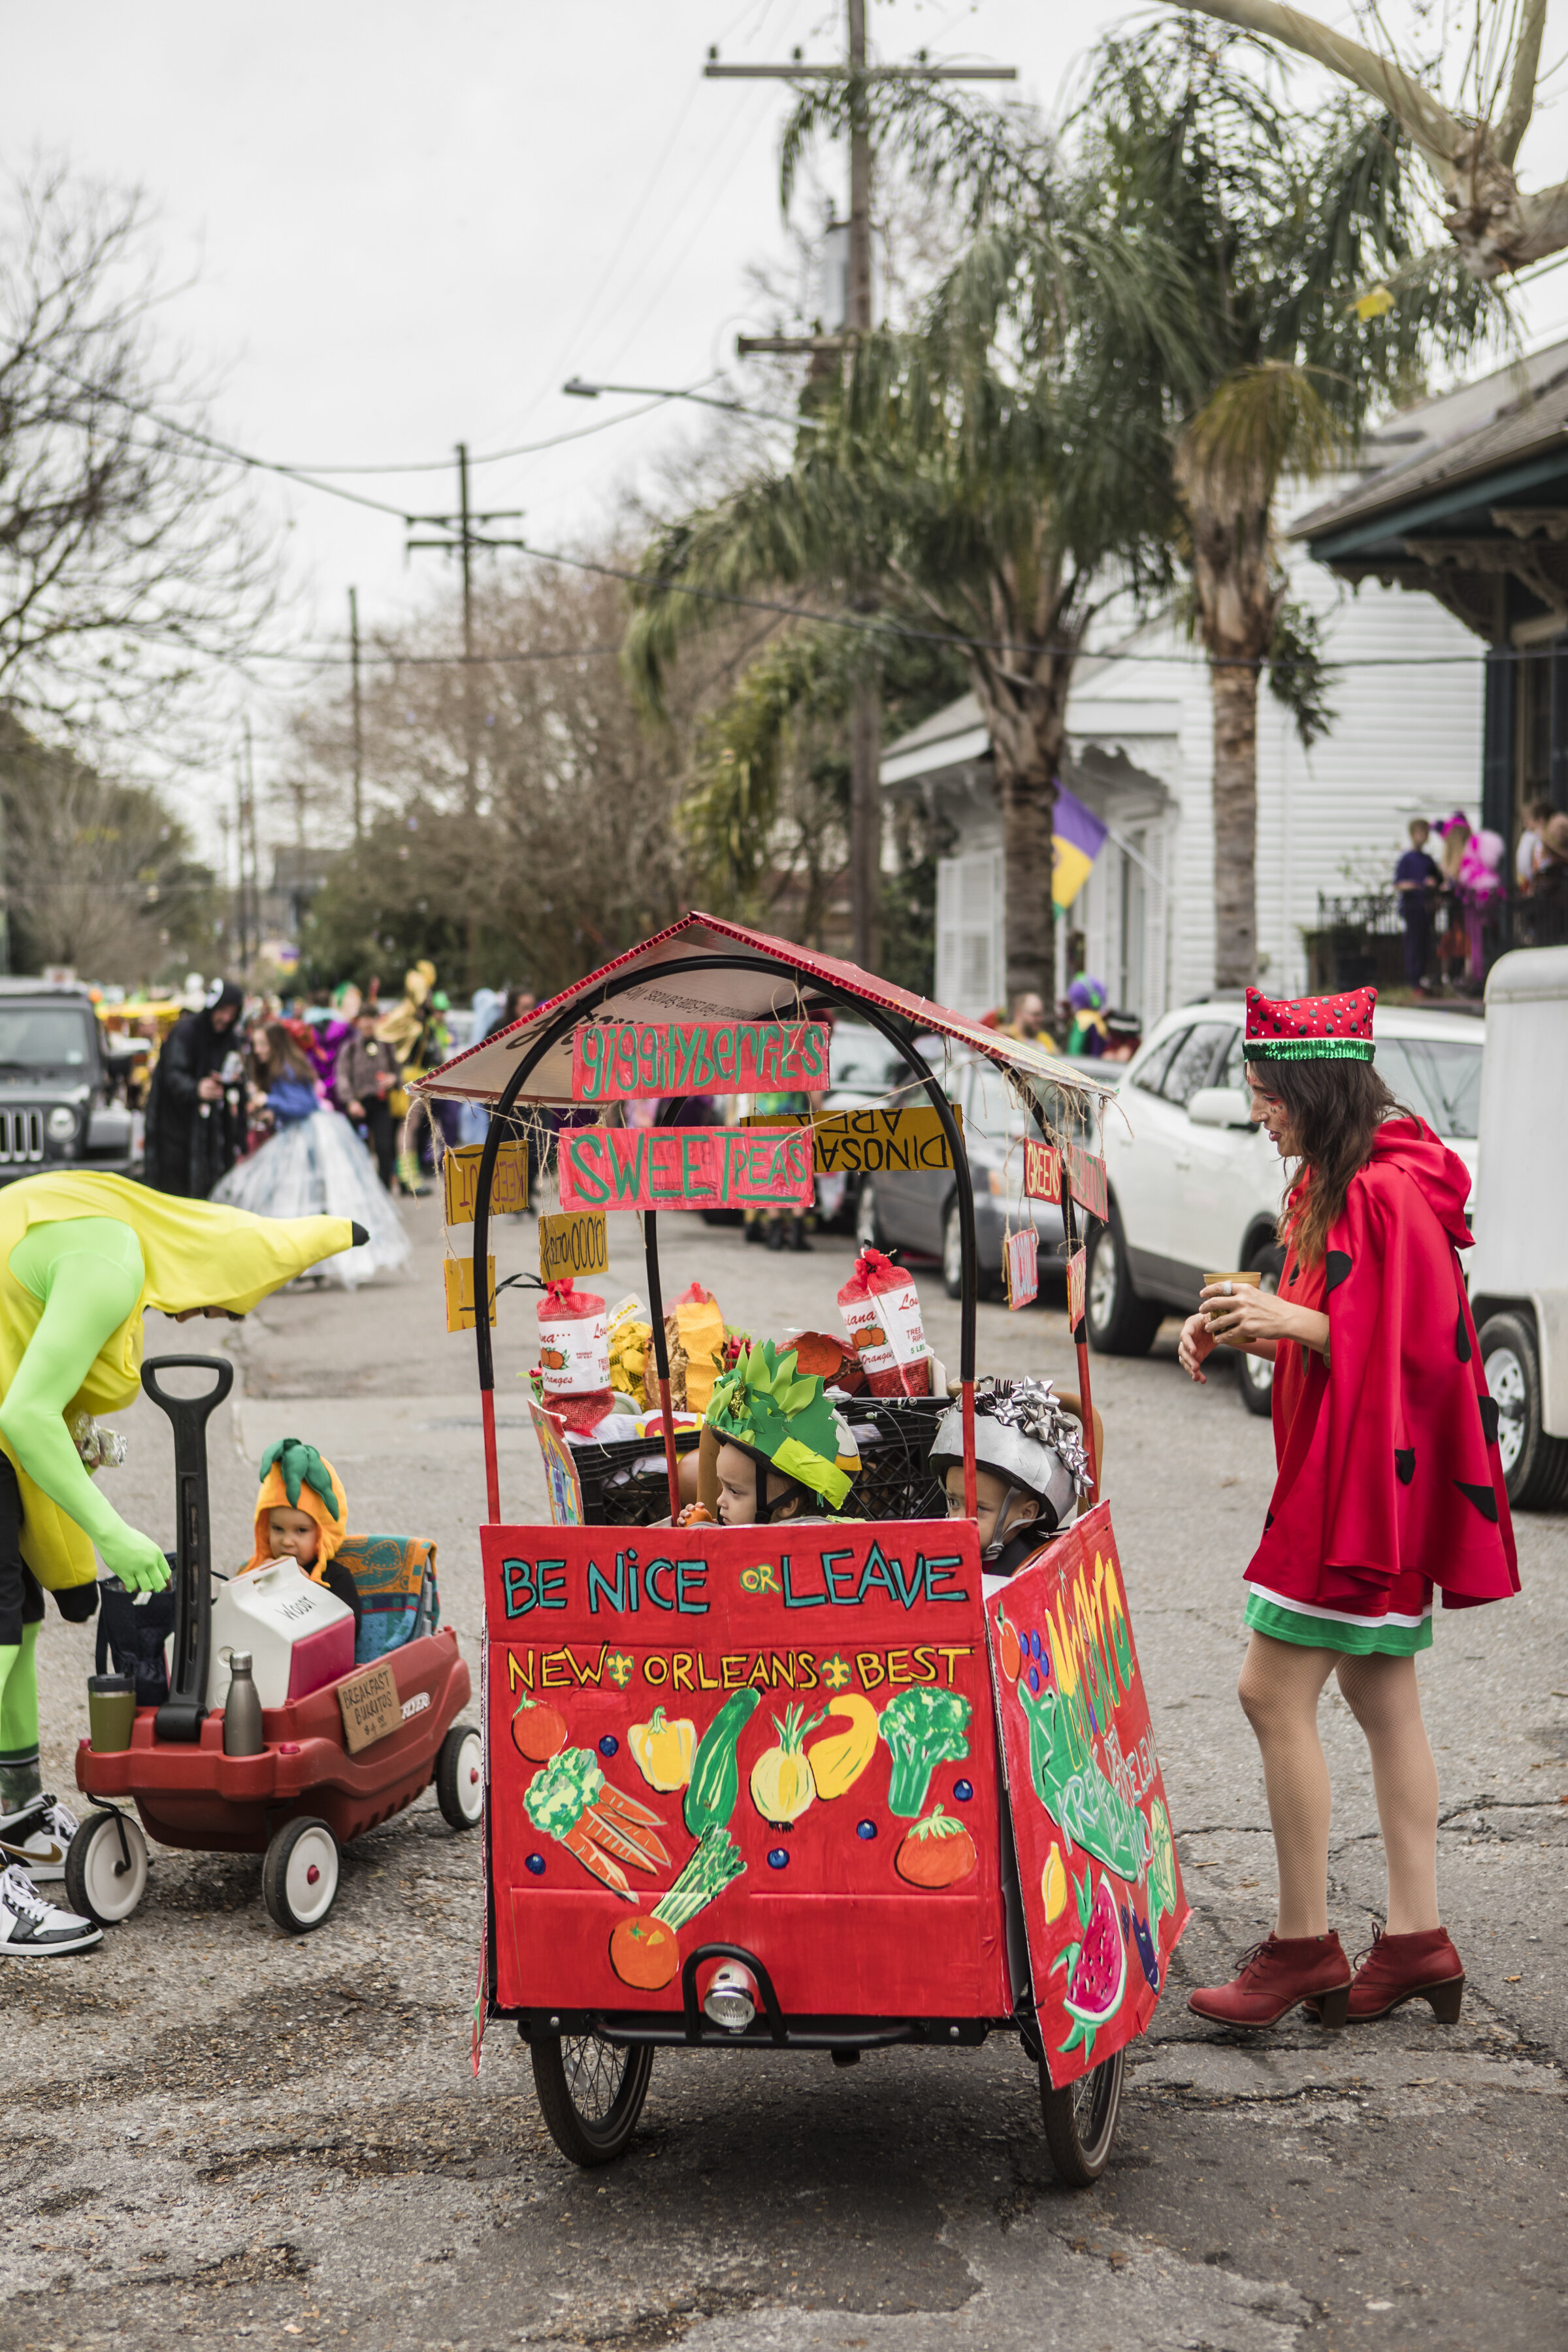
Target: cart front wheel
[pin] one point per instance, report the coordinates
(1080, 2122)
(461, 1777)
(105, 1867)
(300, 1877)
(590, 2093)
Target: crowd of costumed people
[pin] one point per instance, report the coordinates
(298, 1108)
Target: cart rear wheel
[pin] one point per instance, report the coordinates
(461, 1777)
(300, 1876)
(1080, 2122)
(590, 2093)
(105, 1867)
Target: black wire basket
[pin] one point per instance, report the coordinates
(626, 1482)
(625, 1485)
(895, 1435)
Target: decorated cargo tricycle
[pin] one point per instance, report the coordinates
(807, 1784)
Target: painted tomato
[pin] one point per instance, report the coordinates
(938, 1852)
(644, 1953)
(537, 1731)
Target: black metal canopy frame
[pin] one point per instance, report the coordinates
(819, 991)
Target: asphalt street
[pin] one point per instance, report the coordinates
(216, 2132)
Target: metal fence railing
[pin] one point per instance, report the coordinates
(1358, 940)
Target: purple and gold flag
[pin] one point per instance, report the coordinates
(1078, 837)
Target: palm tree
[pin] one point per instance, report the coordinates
(1471, 147)
(1224, 324)
(988, 509)
(1276, 229)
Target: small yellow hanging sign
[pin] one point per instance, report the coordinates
(460, 1277)
(508, 1184)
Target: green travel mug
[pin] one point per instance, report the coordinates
(110, 1712)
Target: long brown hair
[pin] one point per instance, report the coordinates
(283, 1056)
(1335, 1110)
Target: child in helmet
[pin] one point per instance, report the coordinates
(784, 1452)
(1030, 1470)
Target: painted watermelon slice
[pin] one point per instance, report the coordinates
(1098, 1967)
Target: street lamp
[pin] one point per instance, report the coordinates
(581, 391)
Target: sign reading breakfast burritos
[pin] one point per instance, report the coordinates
(684, 1167)
(619, 1061)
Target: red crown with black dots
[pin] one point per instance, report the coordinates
(1310, 1028)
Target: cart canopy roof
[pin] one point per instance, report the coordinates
(480, 1074)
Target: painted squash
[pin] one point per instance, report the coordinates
(781, 1783)
(663, 1750)
(837, 1761)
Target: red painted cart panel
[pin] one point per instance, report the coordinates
(857, 1852)
(1103, 1904)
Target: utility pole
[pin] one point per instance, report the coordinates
(460, 539)
(866, 707)
(248, 834)
(358, 717)
(240, 929)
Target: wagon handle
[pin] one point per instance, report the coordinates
(180, 1717)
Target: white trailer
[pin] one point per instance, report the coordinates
(1519, 1269)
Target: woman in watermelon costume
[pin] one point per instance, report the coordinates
(1389, 1488)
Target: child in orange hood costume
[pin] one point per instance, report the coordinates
(301, 1515)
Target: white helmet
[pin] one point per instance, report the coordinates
(1024, 1434)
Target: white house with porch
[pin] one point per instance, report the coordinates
(1407, 742)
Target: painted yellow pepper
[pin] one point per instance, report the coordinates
(663, 1751)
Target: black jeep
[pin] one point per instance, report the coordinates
(60, 1103)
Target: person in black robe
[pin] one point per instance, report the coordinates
(195, 1123)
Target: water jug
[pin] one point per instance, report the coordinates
(299, 1635)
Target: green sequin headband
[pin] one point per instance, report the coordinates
(1309, 1049)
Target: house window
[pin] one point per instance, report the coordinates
(969, 933)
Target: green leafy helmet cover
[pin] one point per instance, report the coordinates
(790, 1421)
(300, 1465)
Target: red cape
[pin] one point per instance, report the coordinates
(1388, 1462)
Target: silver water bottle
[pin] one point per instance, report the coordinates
(242, 1734)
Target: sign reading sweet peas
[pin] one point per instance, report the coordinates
(684, 1167)
(619, 1061)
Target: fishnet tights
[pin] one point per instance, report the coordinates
(1281, 1686)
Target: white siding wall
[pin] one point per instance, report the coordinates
(1406, 741)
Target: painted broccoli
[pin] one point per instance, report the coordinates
(558, 1797)
(923, 1729)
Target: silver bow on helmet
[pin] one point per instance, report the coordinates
(1024, 1434)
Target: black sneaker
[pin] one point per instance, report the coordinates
(32, 1929)
(35, 1837)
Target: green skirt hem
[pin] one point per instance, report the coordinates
(1332, 1633)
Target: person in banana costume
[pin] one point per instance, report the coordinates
(82, 1256)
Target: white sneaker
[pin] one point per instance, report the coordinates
(31, 1928)
(35, 1837)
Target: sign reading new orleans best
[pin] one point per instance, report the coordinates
(618, 1061)
(684, 1167)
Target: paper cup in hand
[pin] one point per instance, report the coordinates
(1249, 1280)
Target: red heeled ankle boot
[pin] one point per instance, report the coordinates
(1277, 1975)
(1423, 1966)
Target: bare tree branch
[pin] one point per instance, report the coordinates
(1521, 103)
(1435, 130)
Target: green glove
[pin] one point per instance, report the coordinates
(134, 1558)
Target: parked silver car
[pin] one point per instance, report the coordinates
(920, 1213)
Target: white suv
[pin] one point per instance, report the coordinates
(1196, 1187)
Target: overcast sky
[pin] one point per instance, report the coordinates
(407, 225)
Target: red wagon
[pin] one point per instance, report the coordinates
(305, 1795)
(803, 1786)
